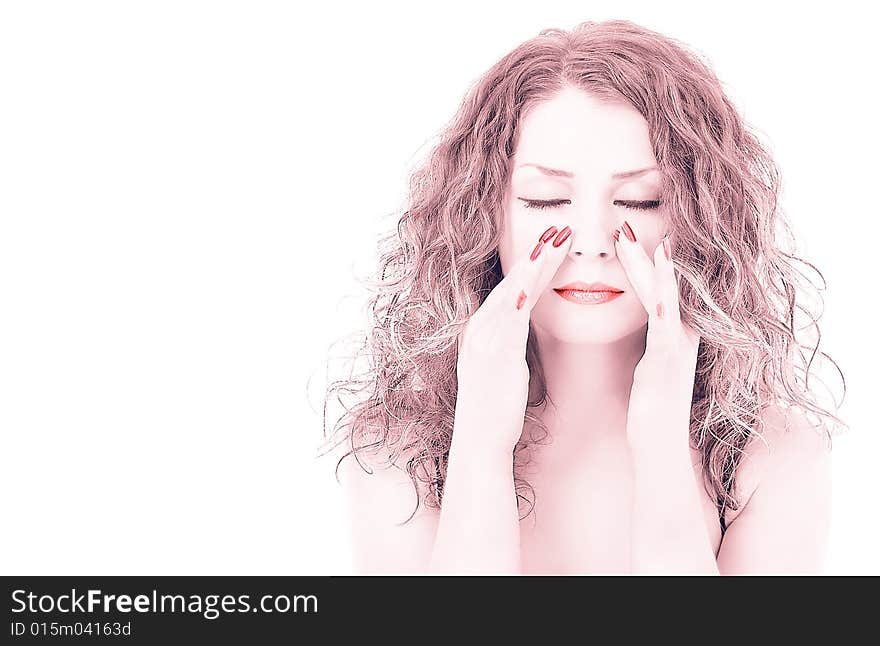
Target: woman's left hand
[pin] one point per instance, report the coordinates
(658, 415)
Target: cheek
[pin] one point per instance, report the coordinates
(506, 251)
(515, 240)
(525, 231)
(649, 235)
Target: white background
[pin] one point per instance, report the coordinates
(188, 191)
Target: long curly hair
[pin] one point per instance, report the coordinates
(739, 288)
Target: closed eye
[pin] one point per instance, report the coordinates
(643, 205)
(543, 204)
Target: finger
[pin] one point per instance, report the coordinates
(666, 283)
(638, 266)
(549, 257)
(529, 276)
(669, 291)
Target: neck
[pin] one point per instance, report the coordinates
(588, 387)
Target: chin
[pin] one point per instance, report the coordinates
(586, 324)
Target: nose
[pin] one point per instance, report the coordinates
(600, 245)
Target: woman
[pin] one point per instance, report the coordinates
(585, 311)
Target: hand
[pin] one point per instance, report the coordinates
(659, 409)
(493, 376)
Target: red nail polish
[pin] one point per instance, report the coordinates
(617, 234)
(549, 233)
(666, 249)
(537, 250)
(562, 236)
(629, 232)
(520, 300)
(659, 310)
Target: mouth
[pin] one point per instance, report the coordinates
(588, 293)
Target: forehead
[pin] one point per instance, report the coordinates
(576, 131)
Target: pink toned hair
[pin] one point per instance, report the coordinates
(738, 287)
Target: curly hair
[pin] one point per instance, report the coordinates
(738, 287)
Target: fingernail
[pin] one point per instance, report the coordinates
(537, 250)
(562, 236)
(659, 310)
(629, 232)
(520, 300)
(666, 249)
(549, 233)
(617, 234)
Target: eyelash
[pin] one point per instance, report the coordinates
(646, 205)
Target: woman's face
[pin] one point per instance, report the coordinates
(589, 145)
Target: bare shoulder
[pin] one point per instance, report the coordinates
(790, 448)
(783, 525)
(378, 469)
(392, 529)
(375, 470)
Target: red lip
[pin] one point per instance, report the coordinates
(589, 287)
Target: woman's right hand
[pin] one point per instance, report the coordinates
(493, 375)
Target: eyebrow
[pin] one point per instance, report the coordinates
(555, 172)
